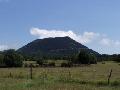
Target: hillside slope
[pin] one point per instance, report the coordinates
(59, 46)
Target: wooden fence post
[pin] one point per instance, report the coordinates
(109, 77)
(70, 76)
(31, 77)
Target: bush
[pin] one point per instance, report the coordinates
(103, 62)
(69, 64)
(115, 83)
(51, 64)
(40, 62)
(34, 65)
(117, 60)
(25, 65)
(102, 83)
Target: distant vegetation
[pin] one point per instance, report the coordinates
(11, 58)
(60, 48)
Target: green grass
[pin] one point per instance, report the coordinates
(92, 77)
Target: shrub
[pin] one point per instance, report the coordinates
(45, 65)
(115, 83)
(25, 65)
(117, 60)
(40, 61)
(69, 64)
(102, 83)
(103, 62)
(51, 64)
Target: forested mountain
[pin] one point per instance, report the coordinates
(53, 47)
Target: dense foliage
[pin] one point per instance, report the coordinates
(12, 58)
(1, 60)
(85, 58)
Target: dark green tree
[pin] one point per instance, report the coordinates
(116, 58)
(40, 61)
(13, 59)
(1, 59)
(93, 59)
(85, 57)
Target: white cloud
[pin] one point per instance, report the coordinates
(85, 38)
(3, 47)
(106, 42)
(117, 43)
(110, 42)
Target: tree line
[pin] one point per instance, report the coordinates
(11, 58)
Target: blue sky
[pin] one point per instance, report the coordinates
(94, 23)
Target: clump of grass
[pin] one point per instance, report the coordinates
(20, 76)
(10, 75)
(115, 83)
(103, 62)
(51, 64)
(81, 82)
(101, 83)
(73, 81)
(43, 77)
(84, 82)
(28, 84)
(119, 64)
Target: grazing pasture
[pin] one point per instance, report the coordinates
(92, 77)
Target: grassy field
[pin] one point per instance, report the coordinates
(93, 77)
